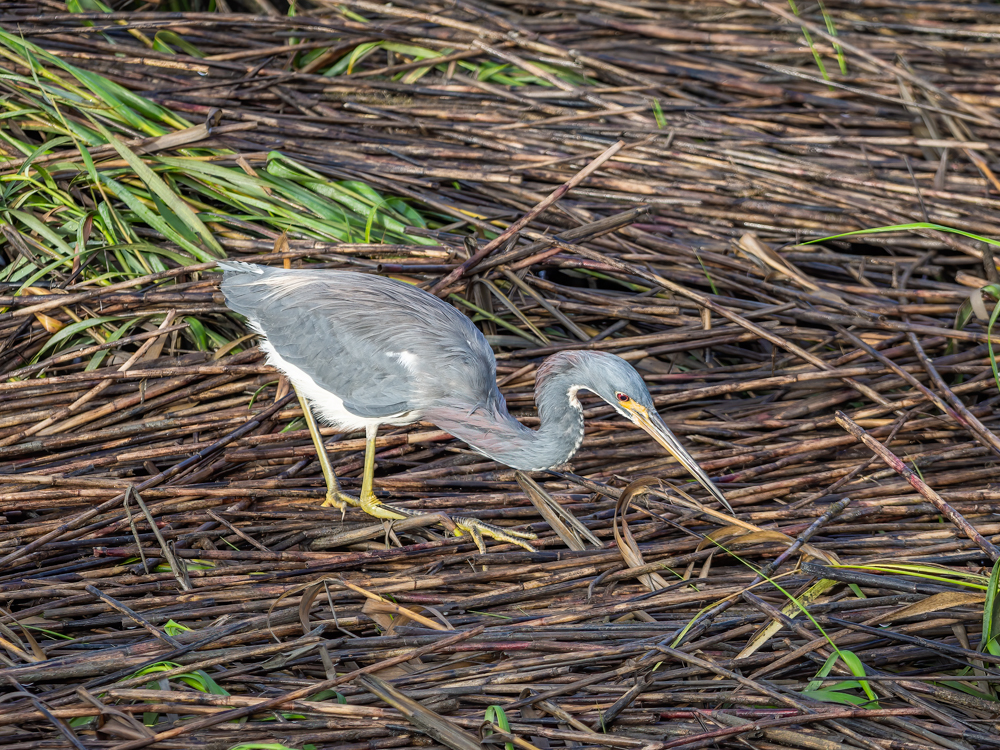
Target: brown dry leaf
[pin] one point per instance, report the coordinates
(281, 246)
(140, 729)
(174, 140)
(432, 610)
(16, 652)
(305, 604)
(567, 526)
(390, 616)
(226, 348)
(744, 538)
(433, 725)
(624, 539)
(750, 244)
(738, 536)
(156, 348)
(245, 166)
(977, 304)
(49, 323)
(381, 616)
(386, 606)
(35, 648)
(791, 610)
(118, 728)
(934, 603)
(720, 535)
(684, 500)
(311, 590)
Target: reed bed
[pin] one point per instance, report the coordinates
(645, 178)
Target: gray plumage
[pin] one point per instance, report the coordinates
(367, 350)
(350, 331)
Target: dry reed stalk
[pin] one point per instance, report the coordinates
(448, 145)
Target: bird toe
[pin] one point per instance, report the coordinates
(478, 529)
(340, 500)
(375, 507)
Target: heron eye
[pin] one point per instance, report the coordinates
(622, 397)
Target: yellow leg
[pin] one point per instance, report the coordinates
(369, 503)
(374, 507)
(334, 497)
(472, 526)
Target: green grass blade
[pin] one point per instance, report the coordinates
(661, 121)
(153, 219)
(98, 357)
(858, 670)
(173, 628)
(155, 183)
(989, 343)
(832, 696)
(166, 37)
(824, 671)
(831, 29)
(905, 227)
(43, 229)
(496, 715)
(991, 615)
(809, 41)
(198, 333)
(71, 330)
(326, 695)
(368, 224)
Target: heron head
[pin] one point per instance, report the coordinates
(615, 381)
(618, 383)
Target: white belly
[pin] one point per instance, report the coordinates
(327, 406)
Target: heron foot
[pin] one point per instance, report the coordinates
(370, 505)
(340, 500)
(478, 529)
(375, 507)
(459, 525)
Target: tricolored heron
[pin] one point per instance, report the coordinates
(365, 350)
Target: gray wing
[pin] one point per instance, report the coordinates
(382, 346)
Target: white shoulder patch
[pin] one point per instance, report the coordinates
(406, 359)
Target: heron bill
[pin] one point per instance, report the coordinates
(653, 424)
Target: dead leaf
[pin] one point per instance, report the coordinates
(49, 324)
(933, 603)
(791, 610)
(386, 605)
(381, 616)
(281, 246)
(624, 539)
(305, 604)
(750, 244)
(977, 304)
(433, 725)
(736, 536)
(567, 526)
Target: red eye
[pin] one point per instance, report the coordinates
(622, 397)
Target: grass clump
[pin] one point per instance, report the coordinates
(99, 185)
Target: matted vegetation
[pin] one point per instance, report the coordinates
(167, 577)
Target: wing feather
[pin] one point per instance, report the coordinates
(383, 347)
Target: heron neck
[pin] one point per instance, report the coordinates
(561, 431)
(495, 433)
